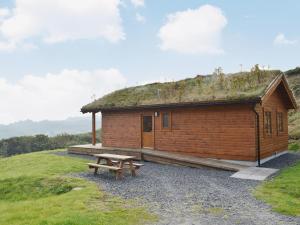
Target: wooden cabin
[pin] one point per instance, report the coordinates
(233, 117)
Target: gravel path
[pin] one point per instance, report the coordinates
(183, 195)
(283, 161)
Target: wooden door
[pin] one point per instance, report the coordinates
(147, 131)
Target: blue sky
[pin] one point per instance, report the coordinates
(234, 33)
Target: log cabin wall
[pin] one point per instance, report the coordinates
(121, 129)
(226, 132)
(223, 132)
(275, 142)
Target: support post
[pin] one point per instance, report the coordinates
(94, 128)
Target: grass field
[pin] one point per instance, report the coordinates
(283, 192)
(294, 145)
(35, 189)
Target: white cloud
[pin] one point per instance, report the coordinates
(7, 46)
(54, 96)
(10, 46)
(280, 39)
(138, 3)
(140, 18)
(62, 20)
(194, 31)
(4, 12)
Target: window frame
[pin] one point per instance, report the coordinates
(268, 123)
(143, 124)
(279, 123)
(169, 120)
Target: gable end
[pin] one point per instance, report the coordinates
(280, 83)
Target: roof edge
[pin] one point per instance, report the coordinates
(253, 100)
(273, 85)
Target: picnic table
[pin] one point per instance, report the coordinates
(115, 163)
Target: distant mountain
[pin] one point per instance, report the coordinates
(73, 125)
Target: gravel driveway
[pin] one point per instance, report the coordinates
(183, 195)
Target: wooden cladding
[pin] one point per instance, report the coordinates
(215, 132)
(278, 141)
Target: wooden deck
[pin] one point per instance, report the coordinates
(157, 156)
(90, 149)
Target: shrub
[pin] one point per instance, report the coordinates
(26, 144)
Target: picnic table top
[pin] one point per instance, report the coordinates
(114, 156)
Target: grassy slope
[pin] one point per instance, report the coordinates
(283, 192)
(294, 117)
(34, 190)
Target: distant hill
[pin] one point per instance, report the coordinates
(41, 142)
(74, 125)
(294, 117)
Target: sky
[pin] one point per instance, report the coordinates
(57, 55)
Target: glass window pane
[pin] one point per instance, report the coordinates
(280, 122)
(147, 123)
(165, 120)
(268, 123)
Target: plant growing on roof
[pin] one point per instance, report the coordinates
(180, 86)
(220, 77)
(240, 85)
(256, 72)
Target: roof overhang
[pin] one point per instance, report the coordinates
(182, 105)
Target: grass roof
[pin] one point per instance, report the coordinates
(210, 88)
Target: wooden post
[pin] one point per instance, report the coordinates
(94, 128)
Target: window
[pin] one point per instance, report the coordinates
(279, 122)
(268, 123)
(166, 120)
(147, 123)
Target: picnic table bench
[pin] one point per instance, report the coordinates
(115, 163)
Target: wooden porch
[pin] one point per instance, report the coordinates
(157, 156)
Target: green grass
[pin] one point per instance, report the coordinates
(283, 192)
(36, 189)
(244, 85)
(294, 116)
(27, 188)
(294, 125)
(294, 145)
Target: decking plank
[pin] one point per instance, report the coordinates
(159, 156)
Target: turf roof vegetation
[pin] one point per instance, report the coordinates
(209, 88)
